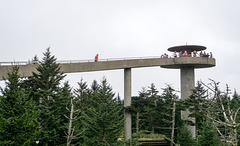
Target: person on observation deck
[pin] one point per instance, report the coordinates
(174, 54)
(96, 58)
(185, 54)
(194, 53)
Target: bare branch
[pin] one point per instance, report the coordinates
(219, 131)
(235, 116)
(66, 116)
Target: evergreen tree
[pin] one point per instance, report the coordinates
(138, 102)
(196, 104)
(61, 104)
(104, 119)
(82, 103)
(184, 137)
(82, 94)
(18, 116)
(208, 135)
(151, 108)
(165, 108)
(235, 104)
(94, 86)
(45, 87)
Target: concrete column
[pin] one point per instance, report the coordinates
(127, 102)
(187, 84)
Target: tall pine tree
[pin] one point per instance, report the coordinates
(208, 135)
(104, 119)
(196, 103)
(18, 115)
(45, 87)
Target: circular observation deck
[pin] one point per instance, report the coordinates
(188, 48)
(196, 62)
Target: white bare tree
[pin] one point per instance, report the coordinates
(70, 134)
(220, 112)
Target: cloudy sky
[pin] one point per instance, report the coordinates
(78, 29)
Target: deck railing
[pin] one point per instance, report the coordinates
(11, 63)
(79, 61)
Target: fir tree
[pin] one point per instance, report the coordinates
(235, 104)
(184, 137)
(61, 104)
(82, 103)
(138, 102)
(208, 135)
(94, 86)
(82, 96)
(45, 87)
(18, 116)
(165, 108)
(151, 108)
(104, 119)
(196, 104)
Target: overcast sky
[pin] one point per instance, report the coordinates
(79, 29)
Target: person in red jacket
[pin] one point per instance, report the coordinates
(96, 58)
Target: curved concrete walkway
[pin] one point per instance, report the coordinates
(175, 63)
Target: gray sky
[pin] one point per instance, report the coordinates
(79, 29)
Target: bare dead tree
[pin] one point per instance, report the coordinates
(216, 101)
(173, 119)
(70, 134)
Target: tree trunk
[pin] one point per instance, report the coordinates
(69, 136)
(137, 122)
(173, 120)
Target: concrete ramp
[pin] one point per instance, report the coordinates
(69, 67)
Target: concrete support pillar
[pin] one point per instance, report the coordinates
(187, 84)
(127, 102)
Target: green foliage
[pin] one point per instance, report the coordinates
(235, 104)
(18, 115)
(208, 135)
(137, 110)
(82, 103)
(62, 102)
(50, 98)
(184, 137)
(148, 134)
(150, 109)
(196, 105)
(165, 107)
(104, 119)
(144, 110)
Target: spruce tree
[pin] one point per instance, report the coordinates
(196, 104)
(45, 87)
(82, 103)
(165, 108)
(151, 108)
(138, 114)
(18, 115)
(61, 104)
(235, 104)
(104, 119)
(208, 135)
(82, 96)
(184, 137)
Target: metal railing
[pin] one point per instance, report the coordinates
(12, 63)
(83, 61)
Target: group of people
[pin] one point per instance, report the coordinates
(185, 54)
(180, 54)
